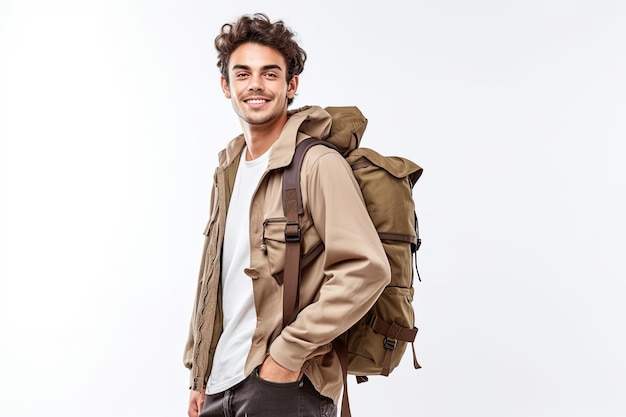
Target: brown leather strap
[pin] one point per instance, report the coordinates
(305, 260)
(292, 206)
(292, 259)
(390, 342)
(404, 334)
(392, 332)
(360, 164)
(341, 348)
(398, 237)
(416, 364)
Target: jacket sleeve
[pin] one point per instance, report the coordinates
(356, 269)
(191, 338)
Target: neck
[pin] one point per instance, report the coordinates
(259, 138)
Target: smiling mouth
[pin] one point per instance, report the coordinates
(256, 101)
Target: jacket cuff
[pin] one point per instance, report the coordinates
(287, 354)
(196, 384)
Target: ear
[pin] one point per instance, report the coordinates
(292, 87)
(225, 88)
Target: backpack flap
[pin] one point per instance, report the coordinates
(386, 183)
(394, 165)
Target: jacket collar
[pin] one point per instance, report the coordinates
(307, 121)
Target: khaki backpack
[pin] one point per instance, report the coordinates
(376, 343)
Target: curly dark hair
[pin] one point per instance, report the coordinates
(258, 28)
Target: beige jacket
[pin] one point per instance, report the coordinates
(337, 288)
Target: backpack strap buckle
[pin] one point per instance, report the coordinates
(292, 232)
(390, 343)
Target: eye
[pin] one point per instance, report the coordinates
(271, 75)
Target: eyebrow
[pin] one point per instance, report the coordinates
(264, 68)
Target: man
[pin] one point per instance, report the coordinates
(242, 361)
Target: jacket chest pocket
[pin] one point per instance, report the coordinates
(274, 245)
(311, 246)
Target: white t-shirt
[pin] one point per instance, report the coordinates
(237, 297)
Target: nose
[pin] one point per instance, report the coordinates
(256, 83)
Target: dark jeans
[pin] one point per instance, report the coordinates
(255, 397)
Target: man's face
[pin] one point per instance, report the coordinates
(257, 85)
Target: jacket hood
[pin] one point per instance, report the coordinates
(308, 121)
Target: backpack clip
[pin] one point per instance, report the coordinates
(390, 343)
(292, 232)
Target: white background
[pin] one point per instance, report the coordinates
(111, 117)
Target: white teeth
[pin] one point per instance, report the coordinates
(256, 101)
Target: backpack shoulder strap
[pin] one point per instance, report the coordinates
(293, 208)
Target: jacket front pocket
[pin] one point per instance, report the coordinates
(274, 242)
